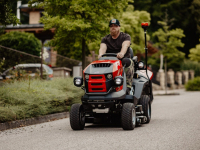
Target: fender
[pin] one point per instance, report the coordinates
(139, 84)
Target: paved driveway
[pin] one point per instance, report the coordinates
(175, 125)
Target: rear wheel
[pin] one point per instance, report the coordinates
(146, 106)
(77, 117)
(128, 116)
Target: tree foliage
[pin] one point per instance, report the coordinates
(184, 14)
(6, 14)
(81, 21)
(22, 41)
(195, 53)
(168, 42)
(25, 42)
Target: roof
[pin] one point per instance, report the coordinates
(25, 8)
(23, 26)
(62, 68)
(30, 65)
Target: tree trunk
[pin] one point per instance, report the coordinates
(83, 54)
(165, 75)
(161, 61)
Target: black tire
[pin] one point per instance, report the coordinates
(128, 116)
(77, 117)
(146, 106)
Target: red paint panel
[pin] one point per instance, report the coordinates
(119, 88)
(97, 79)
(117, 69)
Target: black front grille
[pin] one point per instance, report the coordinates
(96, 77)
(96, 83)
(101, 65)
(97, 88)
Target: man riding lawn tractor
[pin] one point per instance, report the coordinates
(118, 42)
(113, 92)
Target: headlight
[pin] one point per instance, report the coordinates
(141, 65)
(86, 76)
(118, 80)
(109, 76)
(78, 81)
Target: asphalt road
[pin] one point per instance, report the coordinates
(175, 125)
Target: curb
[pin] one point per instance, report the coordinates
(168, 94)
(32, 121)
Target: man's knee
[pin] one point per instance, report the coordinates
(130, 69)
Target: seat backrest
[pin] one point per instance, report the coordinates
(131, 51)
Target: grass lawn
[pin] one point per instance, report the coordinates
(35, 97)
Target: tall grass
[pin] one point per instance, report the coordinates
(31, 98)
(191, 65)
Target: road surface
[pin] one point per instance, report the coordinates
(175, 125)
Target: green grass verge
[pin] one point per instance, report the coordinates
(193, 85)
(32, 98)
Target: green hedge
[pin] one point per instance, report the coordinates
(191, 65)
(24, 99)
(193, 85)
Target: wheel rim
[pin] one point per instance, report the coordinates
(149, 111)
(133, 117)
(82, 117)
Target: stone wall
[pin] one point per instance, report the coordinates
(175, 80)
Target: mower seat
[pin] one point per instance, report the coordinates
(134, 58)
(131, 51)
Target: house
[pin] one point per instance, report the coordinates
(36, 28)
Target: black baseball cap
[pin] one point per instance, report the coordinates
(114, 21)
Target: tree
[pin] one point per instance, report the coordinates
(6, 14)
(168, 42)
(22, 41)
(195, 53)
(25, 42)
(185, 15)
(83, 21)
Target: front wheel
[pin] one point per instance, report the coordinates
(77, 117)
(128, 116)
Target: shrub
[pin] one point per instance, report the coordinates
(191, 65)
(31, 98)
(6, 114)
(193, 85)
(22, 41)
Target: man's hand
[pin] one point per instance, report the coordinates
(120, 55)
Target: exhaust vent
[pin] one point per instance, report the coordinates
(101, 65)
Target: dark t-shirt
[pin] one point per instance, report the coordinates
(115, 45)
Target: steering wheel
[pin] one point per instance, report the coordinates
(109, 54)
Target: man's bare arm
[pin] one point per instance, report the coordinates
(102, 49)
(123, 51)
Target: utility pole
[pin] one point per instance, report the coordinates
(41, 68)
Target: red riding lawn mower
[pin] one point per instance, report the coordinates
(106, 100)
